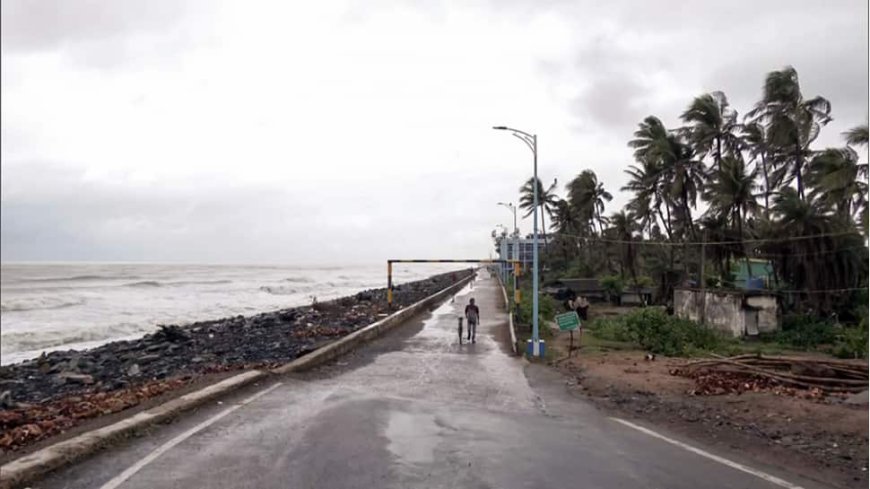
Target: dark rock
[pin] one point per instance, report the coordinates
(144, 359)
(6, 400)
(75, 378)
(288, 316)
(172, 333)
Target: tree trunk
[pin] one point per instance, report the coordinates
(743, 245)
(543, 227)
(766, 187)
(798, 171)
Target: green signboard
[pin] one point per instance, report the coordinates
(568, 321)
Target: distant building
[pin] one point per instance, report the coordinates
(736, 312)
(761, 274)
(526, 247)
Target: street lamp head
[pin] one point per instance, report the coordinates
(500, 128)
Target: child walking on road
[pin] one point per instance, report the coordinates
(472, 314)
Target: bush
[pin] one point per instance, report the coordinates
(609, 329)
(613, 285)
(852, 342)
(806, 332)
(654, 330)
(546, 308)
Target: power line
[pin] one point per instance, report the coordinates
(814, 253)
(698, 243)
(821, 291)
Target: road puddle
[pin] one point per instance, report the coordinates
(412, 437)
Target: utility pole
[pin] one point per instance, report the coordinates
(703, 279)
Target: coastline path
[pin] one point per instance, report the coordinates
(414, 409)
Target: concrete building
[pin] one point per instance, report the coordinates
(525, 246)
(735, 312)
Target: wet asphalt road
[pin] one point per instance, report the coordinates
(414, 409)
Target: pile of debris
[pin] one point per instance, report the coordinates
(795, 376)
(28, 422)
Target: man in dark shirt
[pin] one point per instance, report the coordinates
(472, 314)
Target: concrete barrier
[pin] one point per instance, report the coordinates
(29, 467)
(370, 332)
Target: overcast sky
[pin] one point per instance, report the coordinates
(351, 132)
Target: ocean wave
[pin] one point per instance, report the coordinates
(157, 283)
(298, 280)
(81, 278)
(144, 283)
(39, 303)
(278, 290)
(28, 341)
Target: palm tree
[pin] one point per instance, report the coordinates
(792, 122)
(623, 227)
(680, 174)
(587, 197)
(646, 205)
(547, 199)
(731, 196)
(838, 180)
(758, 147)
(857, 136)
(712, 127)
(827, 261)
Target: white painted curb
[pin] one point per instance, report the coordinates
(507, 306)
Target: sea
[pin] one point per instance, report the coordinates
(59, 306)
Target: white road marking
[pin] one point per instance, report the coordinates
(123, 476)
(721, 460)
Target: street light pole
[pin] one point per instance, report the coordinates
(531, 141)
(516, 253)
(503, 254)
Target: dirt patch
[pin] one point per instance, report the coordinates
(823, 438)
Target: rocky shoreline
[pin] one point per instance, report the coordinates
(51, 393)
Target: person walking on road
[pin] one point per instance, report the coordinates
(472, 314)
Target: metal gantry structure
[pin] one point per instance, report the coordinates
(516, 264)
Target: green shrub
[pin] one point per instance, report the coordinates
(852, 342)
(654, 330)
(609, 329)
(547, 307)
(612, 284)
(644, 281)
(806, 332)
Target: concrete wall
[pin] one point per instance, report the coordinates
(725, 311)
(768, 320)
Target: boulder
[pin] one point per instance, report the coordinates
(75, 378)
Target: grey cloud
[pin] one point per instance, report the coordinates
(103, 34)
(613, 100)
(47, 24)
(53, 212)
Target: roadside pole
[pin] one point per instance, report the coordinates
(703, 279)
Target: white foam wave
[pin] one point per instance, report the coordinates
(37, 303)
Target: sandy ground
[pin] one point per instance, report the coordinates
(822, 439)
